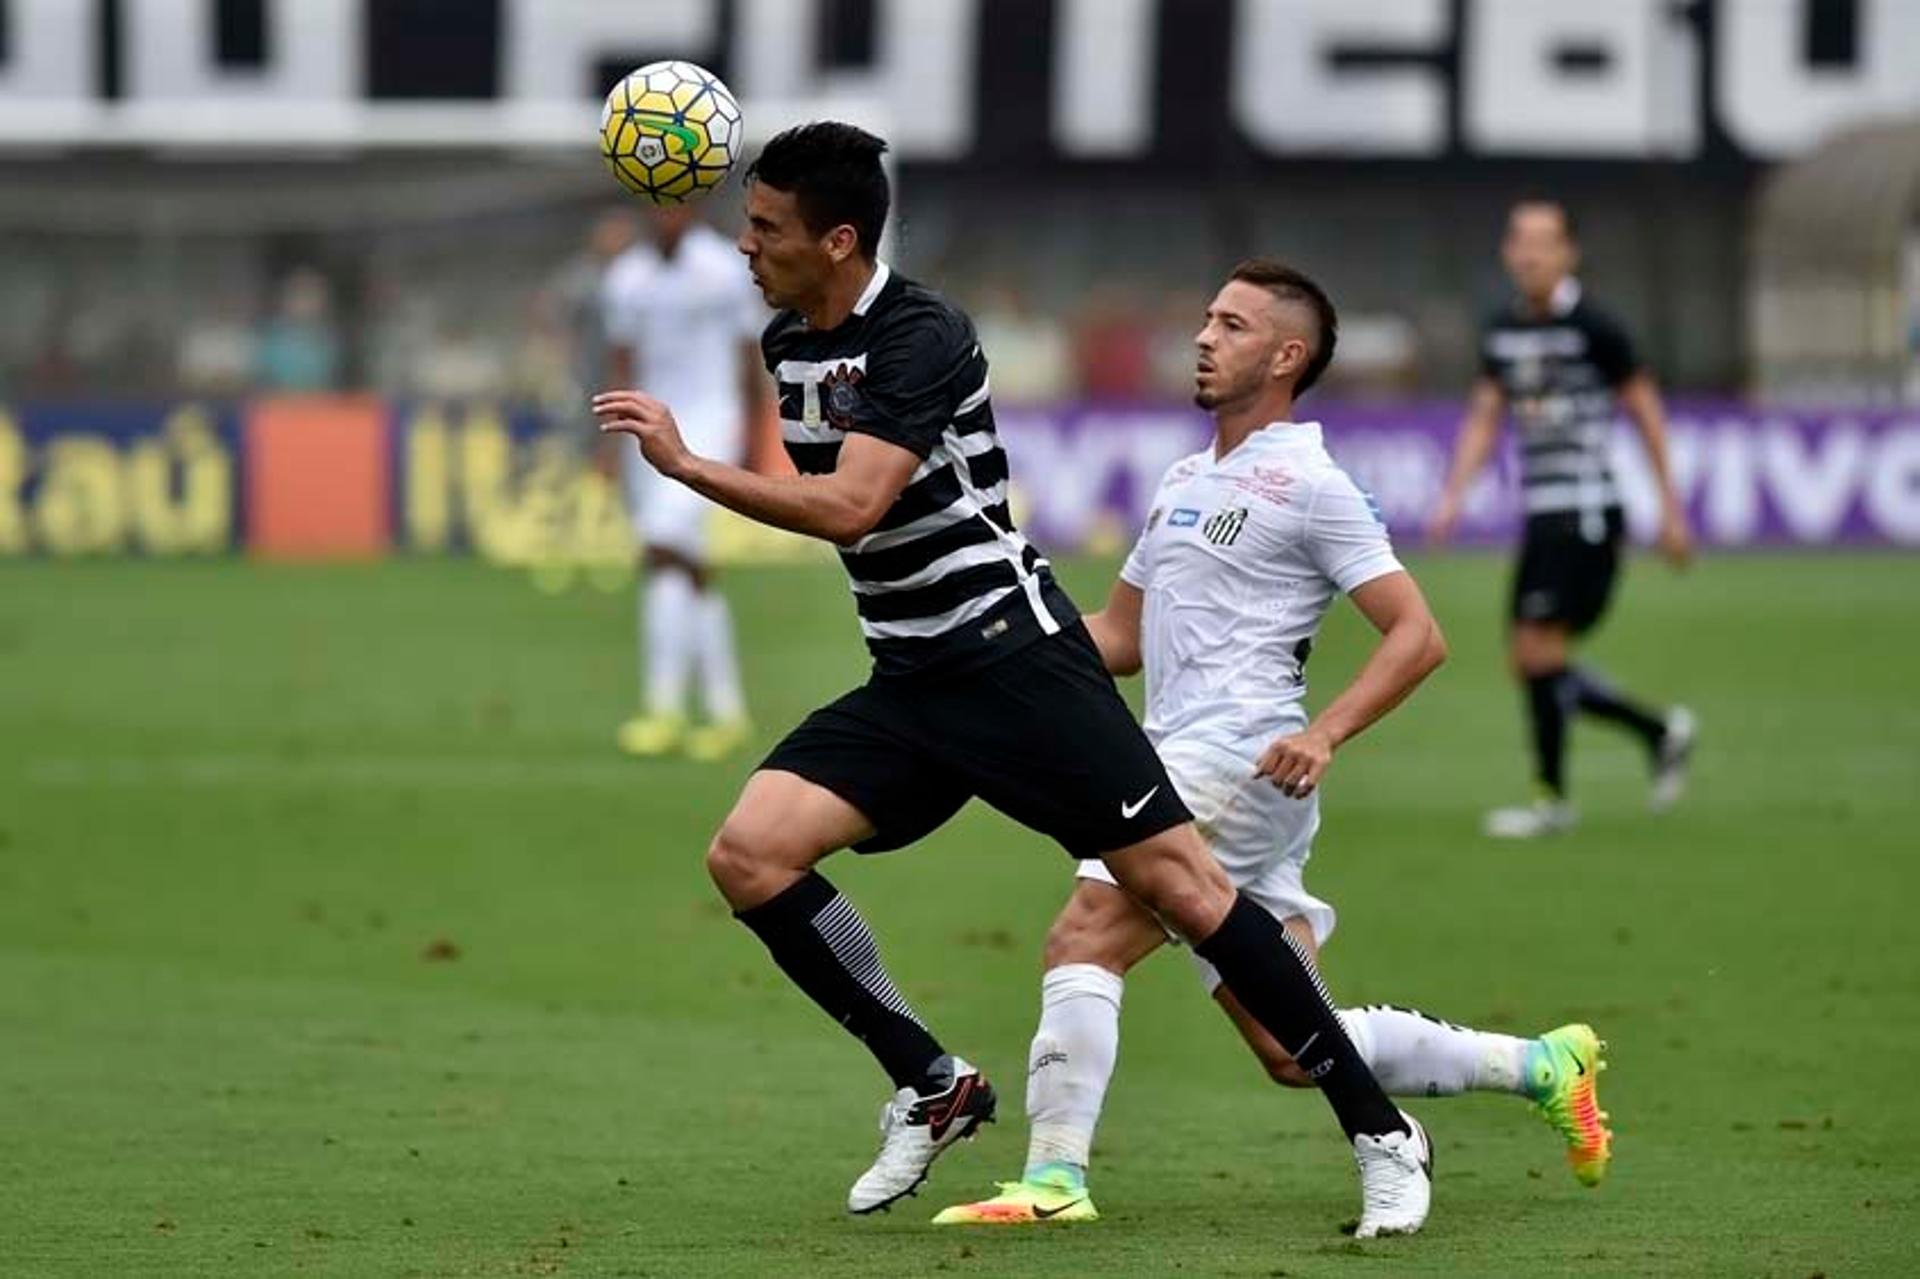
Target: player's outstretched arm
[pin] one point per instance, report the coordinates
(1116, 628)
(1479, 431)
(840, 507)
(1411, 648)
(1640, 397)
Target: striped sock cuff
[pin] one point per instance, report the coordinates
(851, 941)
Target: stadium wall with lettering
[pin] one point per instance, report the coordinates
(353, 477)
(1177, 81)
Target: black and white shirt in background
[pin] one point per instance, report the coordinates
(1560, 372)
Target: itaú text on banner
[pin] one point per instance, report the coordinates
(1749, 476)
(357, 477)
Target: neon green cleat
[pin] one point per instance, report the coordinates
(1021, 1203)
(1563, 1068)
(711, 743)
(651, 736)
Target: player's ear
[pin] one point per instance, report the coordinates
(842, 243)
(1289, 358)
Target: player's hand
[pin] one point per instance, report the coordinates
(649, 421)
(1676, 540)
(1296, 763)
(1445, 518)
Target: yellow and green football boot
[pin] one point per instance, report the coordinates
(711, 743)
(1562, 1077)
(1049, 1197)
(651, 736)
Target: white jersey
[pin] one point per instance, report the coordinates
(684, 317)
(1239, 561)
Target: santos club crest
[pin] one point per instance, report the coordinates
(1221, 529)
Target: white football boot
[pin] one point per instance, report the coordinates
(1396, 1181)
(1531, 821)
(916, 1129)
(1671, 758)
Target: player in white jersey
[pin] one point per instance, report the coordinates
(683, 318)
(1245, 549)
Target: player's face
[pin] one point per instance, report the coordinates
(1537, 250)
(789, 262)
(1236, 347)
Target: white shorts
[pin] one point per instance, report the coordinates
(1261, 836)
(664, 512)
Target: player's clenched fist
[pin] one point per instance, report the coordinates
(649, 421)
(1296, 763)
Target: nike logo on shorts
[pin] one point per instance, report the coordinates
(1130, 811)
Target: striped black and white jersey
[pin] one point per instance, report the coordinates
(943, 582)
(1560, 372)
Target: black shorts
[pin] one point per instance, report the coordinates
(1564, 574)
(1042, 735)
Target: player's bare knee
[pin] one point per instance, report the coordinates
(729, 861)
(1193, 908)
(1191, 893)
(744, 861)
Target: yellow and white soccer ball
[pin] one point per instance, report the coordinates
(670, 132)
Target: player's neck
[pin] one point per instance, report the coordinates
(839, 295)
(1233, 427)
(1554, 301)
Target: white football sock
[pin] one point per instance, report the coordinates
(719, 668)
(667, 622)
(1416, 1055)
(1071, 1062)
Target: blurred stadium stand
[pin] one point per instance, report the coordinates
(218, 200)
(170, 166)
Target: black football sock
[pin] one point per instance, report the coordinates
(1547, 697)
(820, 941)
(1594, 695)
(1274, 981)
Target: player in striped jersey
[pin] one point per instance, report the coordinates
(986, 684)
(1560, 364)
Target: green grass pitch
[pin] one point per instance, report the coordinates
(336, 940)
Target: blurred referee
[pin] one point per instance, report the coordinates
(1561, 365)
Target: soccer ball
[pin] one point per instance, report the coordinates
(670, 132)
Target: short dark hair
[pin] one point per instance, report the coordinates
(834, 174)
(1537, 199)
(1289, 285)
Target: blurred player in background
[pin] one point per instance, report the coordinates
(985, 683)
(683, 319)
(1561, 365)
(579, 290)
(1247, 546)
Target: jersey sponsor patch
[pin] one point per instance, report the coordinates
(1221, 529)
(1270, 483)
(1183, 517)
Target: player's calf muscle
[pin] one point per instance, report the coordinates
(1103, 926)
